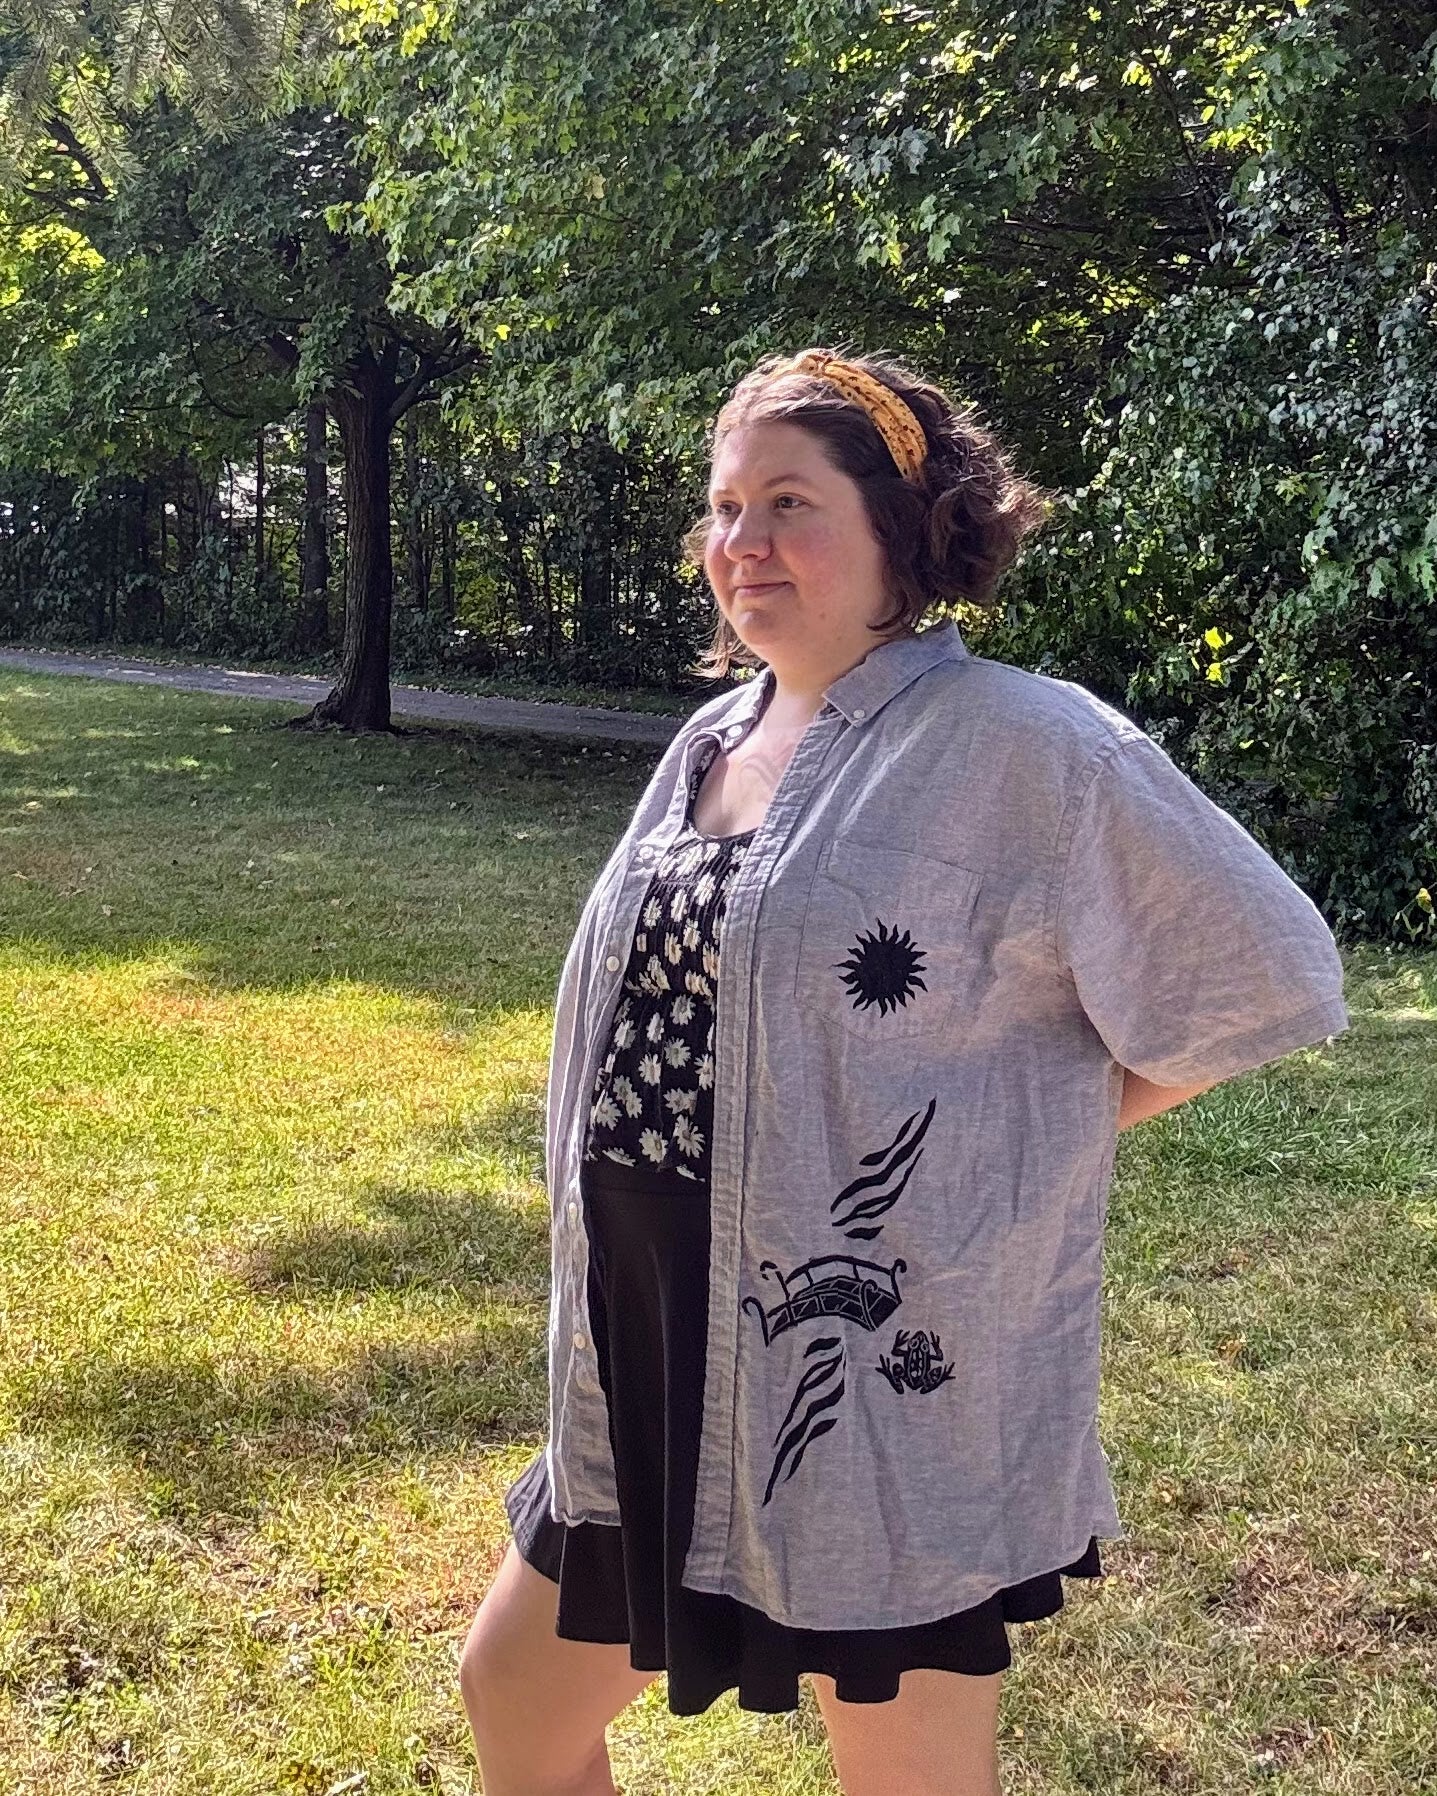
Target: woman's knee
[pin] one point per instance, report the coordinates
(481, 1663)
(539, 1705)
(506, 1640)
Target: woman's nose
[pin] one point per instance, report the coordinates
(747, 535)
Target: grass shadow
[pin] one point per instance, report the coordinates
(219, 1426)
(438, 1241)
(228, 1438)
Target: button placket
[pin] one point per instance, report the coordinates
(577, 1392)
(719, 1445)
(723, 1534)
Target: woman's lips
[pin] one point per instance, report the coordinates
(759, 585)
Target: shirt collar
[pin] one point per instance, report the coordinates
(862, 692)
(884, 672)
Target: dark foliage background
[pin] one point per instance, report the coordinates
(1182, 257)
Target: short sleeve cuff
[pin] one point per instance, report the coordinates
(1236, 1054)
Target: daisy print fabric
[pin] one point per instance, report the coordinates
(652, 1104)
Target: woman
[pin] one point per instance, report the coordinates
(895, 943)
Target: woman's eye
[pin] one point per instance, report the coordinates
(724, 507)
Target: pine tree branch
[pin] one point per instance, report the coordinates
(67, 144)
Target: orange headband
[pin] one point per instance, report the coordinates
(892, 417)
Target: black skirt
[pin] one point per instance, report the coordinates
(648, 1307)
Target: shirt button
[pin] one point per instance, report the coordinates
(580, 1339)
(573, 1212)
(612, 963)
(858, 711)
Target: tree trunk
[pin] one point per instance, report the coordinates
(512, 515)
(229, 530)
(162, 584)
(314, 532)
(259, 503)
(414, 516)
(142, 525)
(182, 539)
(548, 591)
(447, 534)
(360, 701)
(143, 590)
(594, 615)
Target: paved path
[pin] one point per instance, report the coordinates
(406, 701)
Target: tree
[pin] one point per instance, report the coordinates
(628, 206)
(73, 71)
(1179, 251)
(314, 530)
(229, 249)
(1127, 232)
(1252, 567)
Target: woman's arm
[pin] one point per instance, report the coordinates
(1142, 1099)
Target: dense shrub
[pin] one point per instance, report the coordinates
(1252, 570)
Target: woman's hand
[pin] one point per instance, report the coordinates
(1142, 1099)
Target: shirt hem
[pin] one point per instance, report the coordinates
(937, 1609)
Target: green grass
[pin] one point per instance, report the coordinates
(273, 1259)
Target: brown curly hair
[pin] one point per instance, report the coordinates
(948, 535)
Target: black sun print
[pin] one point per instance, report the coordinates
(883, 969)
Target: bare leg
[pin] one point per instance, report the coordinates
(539, 1706)
(938, 1737)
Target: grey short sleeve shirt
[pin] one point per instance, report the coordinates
(977, 895)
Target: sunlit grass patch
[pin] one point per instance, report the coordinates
(273, 1275)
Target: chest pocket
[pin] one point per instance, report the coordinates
(885, 948)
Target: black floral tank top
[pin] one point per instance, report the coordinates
(652, 1104)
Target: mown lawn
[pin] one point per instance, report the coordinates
(273, 1259)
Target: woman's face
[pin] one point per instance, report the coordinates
(793, 562)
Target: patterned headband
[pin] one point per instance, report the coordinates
(891, 416)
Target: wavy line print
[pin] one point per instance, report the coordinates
(882, 1153)
(816, 1374)
(812, 1423)
(905, 1149)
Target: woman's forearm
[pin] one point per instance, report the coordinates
(1142, 1099)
